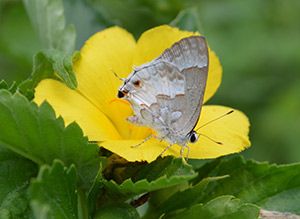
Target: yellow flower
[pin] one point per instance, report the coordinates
(102, 117)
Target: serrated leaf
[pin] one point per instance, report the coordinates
(272, 187)
(15, 174)
(51, 64)
(187, 197)
(62, 65)
(35, 133)
(187, 19)
(222, 207)
(53, 193)
(159, 174)
(42, 69)
(4, 85)
(47, 17)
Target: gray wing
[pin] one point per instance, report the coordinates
(165, 74)
(174, 85)
(181, 113)
(193, 99)
(186, 53)
(159, 78)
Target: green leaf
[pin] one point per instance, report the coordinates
(222, 207)
(35, 133)
(58, 40)
(18, 42)
(47, 17)
(116, 211)
(51, 64)
(4, 85)
(53, 194)
(159, 174)
(62, 65)
(96, 189)
(188, 19)
(42, 69)
(187, 197)
(272, 187)
(15, 174)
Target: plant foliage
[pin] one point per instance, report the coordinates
(50, 170)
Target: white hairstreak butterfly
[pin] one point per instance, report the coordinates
(167, 93)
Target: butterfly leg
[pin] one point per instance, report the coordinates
(182, 151)
(167, 148)
(142, 142)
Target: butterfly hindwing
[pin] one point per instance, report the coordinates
(181, 112)
(195, 84)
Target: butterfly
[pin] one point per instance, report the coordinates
(166, 94)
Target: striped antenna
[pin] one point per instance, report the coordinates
(209, 122)
(213, 120)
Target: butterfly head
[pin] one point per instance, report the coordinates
(192, 136)
(130, 85)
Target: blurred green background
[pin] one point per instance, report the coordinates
(258, 43)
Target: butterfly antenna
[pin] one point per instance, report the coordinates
(117, 76)
(213, 120)
(209, 138)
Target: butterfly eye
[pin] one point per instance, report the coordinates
(137, 83)
(193, 137)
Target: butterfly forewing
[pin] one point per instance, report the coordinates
(186, 53)
(164, 75)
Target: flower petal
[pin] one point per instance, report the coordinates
(214, 76)
(231, 130)
(73, 107)
(106, 52)
(123, 109)
(147, 151)
(154, 41)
